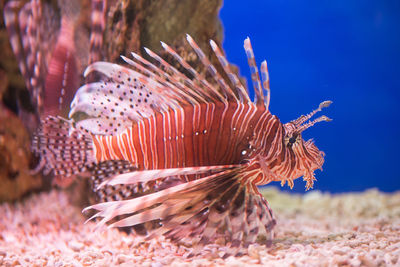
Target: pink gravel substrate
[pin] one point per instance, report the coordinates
(313, 230)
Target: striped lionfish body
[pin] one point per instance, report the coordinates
(47, 45)
(179, 149)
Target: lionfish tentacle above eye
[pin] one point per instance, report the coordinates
(186, 151)
(311, 123)
(302, 119)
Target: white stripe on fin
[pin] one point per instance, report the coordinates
(233, 77)
(255, 77)
(129, 95)
(109, 210)
(148, 175)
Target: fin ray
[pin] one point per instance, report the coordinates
(149, 175)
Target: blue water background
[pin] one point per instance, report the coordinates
(344, 51)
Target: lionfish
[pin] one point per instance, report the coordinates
(51, 51)
(167, 145)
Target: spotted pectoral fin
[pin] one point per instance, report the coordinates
(150, 175)
(143, 207)
(103, 174)
(219, 205)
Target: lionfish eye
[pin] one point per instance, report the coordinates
(292, 140)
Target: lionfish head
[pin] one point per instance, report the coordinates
(308, 157)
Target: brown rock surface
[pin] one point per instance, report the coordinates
(15, 155)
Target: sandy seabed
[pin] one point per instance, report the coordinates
(314, 229)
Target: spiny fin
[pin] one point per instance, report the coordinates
(260, 99)
(124, 96)
(218, 205)
(227, 92)
(106, 169)
(32, 29)
(241, 90)
(45, 49)
(150, 175)
(98, 17)
(128, 95)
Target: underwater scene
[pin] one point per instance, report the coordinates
(205, 133)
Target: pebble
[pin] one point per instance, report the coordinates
(253, 252)
(87, 261)
(76, 246)
(121, 258)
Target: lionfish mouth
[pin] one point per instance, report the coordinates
(317, 154)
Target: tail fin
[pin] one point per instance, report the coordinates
(62, 148)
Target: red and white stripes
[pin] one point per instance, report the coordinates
(200, 135)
